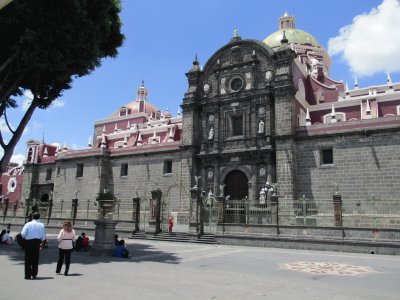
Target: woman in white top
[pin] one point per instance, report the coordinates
(66, 237)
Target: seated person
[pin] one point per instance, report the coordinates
(79, 243)
(85, 242)
(5, 237)
(116, 240)
(121, 250)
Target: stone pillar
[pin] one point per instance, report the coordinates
(103, 244)
(275, 211)
(28, 202)
(155, 206)
(74, 209)
(194, 210)
(5, 208)
(337, 209)
(50, 209)
(136, 214)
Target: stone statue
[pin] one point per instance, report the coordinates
(196, 179)
(262, 196)
(336, 187)
(221, 189)
(261, 126)
(211, 134)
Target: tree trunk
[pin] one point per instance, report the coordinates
(9, 149)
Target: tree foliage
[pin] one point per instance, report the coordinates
(46, 44)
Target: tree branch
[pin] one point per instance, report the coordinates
(8, 124)
(9, 148)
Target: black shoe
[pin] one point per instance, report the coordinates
(27, 278)
(65, 274)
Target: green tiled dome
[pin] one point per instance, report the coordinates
(293, 35)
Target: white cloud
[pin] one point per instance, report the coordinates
(18, 158)
(371, 43)
(57, 103)
(3, 127)
(28, 97)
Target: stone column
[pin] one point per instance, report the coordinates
(337, 209)
(103, 244)
(194, 210)
(74, 209)
(155, 222)
(136, 214)
(5, 209)
(275, 211)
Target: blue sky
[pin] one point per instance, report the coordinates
(162, 38)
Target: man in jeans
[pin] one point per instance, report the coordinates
(34, 234)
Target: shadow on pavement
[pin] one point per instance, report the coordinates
(138, 253)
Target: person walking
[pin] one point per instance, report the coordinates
(170, 224)
(66, 237)
(34, 234)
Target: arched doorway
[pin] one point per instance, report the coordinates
(236, 185)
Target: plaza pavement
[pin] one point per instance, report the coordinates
(184, 271)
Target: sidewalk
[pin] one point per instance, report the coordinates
(162, 270)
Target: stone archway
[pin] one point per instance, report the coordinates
(236, 185)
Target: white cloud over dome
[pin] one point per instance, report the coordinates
(371, 44)
(18, 158)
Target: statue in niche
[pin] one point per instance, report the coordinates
(261, 127)
(211, 134)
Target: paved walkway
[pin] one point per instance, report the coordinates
(168, 270)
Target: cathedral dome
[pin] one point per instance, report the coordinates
(294, 36)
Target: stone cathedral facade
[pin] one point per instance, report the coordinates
(259, 111)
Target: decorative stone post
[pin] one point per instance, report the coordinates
(50, 209)
(194, 210)
(136, 214)
(155, 206)
(5, 209)
(337, 207)
(27, 207)
(105, 227)
(74, 209)
(275, 211)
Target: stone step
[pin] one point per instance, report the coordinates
(206, 239)
(174, 237)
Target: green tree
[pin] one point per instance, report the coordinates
(45, 44)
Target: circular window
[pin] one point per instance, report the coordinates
(236, 84)
(12, 184)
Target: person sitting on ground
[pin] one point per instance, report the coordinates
(116, 240)
(5, 237)
(79, 243)
(121, 250)
(85, 242)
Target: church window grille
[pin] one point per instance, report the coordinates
(168, 167)
(237, 125)
(327, 156)
(79, 170)
(48, 174)
(124, 169)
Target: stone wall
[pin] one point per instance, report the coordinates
(363, 165)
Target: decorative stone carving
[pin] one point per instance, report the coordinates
(211, 134)
(261, 127)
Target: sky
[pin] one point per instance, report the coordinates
(163, 37)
